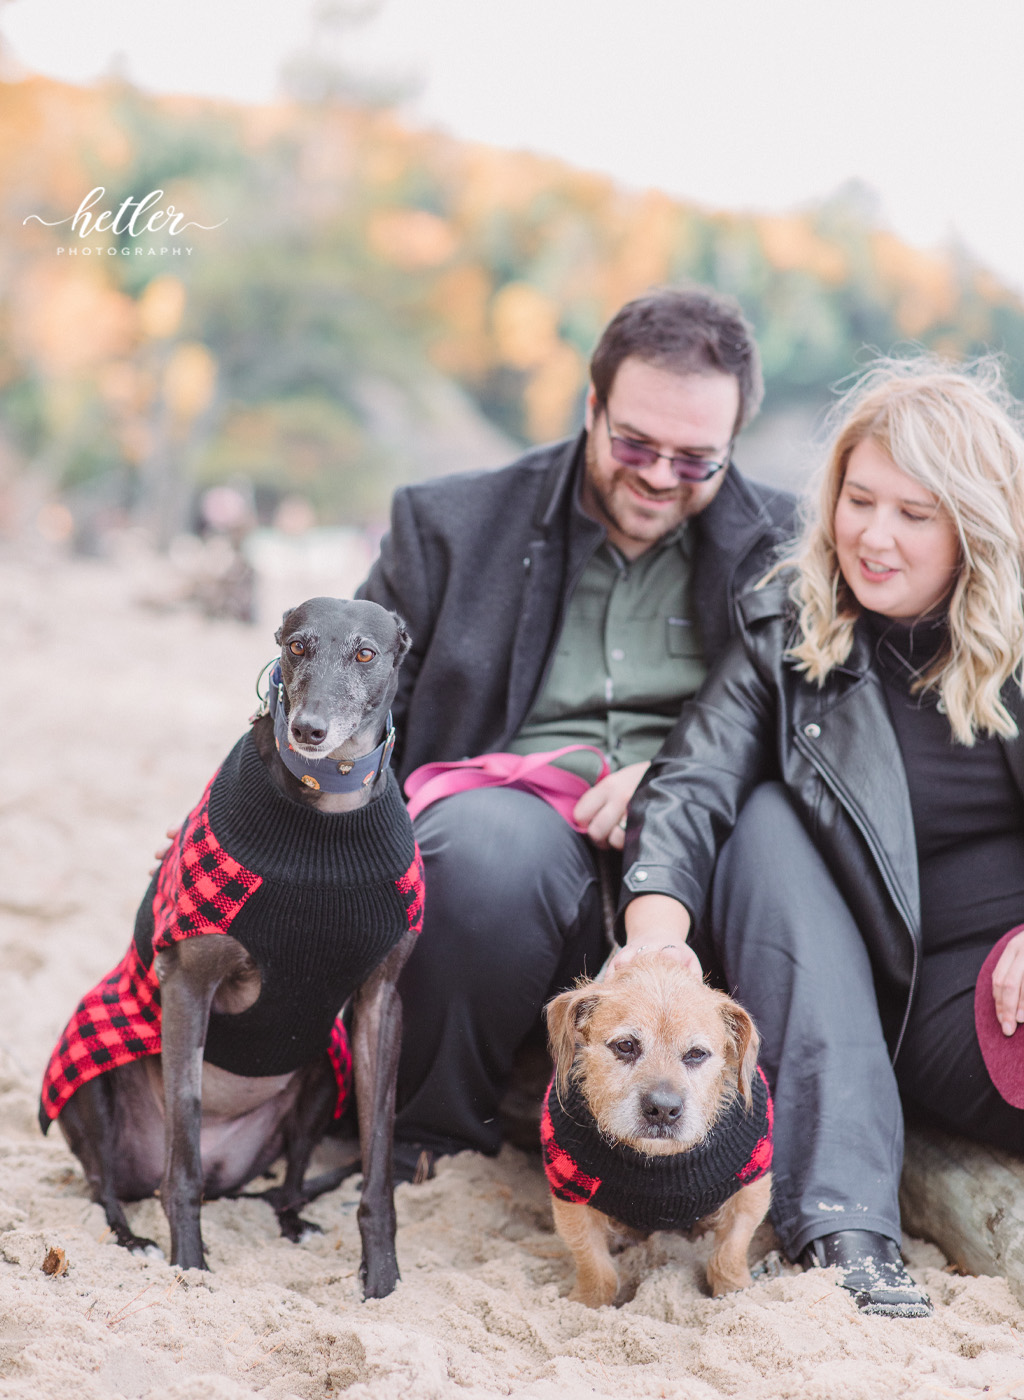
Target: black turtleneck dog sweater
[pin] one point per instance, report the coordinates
(654, 1193)
(316, 899)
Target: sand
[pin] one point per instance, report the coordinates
(118, 711)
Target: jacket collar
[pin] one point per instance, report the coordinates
(733, 513)
(565, 458)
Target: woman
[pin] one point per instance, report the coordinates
(838, 817)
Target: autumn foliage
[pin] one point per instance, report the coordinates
(351, 251)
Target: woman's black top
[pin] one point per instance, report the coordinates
(968, 813)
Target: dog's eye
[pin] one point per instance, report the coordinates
(696, 1056)
(627, 1048)
(365, 654)
(297, 648)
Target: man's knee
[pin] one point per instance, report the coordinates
(498, 846)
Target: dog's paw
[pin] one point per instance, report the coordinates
(294, 1228)
(138, 1244)
(380, 1278)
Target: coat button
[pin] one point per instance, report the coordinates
(639, 874)
(812, 731)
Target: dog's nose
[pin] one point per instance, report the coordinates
(661, 1106)
(309, 729)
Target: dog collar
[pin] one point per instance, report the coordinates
(325, 774)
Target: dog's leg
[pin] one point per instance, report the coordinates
(585, 1232)
(189, 974)
(88, 1123)
(734, 1226)
(305, 1125)
(376, 1044)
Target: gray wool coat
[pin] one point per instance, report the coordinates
(481, 567)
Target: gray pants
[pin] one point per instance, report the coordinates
(792, 954)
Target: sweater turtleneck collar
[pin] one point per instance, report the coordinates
(905, 650)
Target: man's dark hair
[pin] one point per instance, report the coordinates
(685, 330)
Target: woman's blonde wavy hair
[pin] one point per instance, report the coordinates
(955, 431)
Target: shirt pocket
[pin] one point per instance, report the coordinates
(681, 637)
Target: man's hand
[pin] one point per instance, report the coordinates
(656, 923)
(1008, 985)
(161, 851)
(602, 808)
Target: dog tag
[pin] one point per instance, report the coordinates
(309, 782)
(346, 765)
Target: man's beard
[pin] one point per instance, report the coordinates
(603, 497)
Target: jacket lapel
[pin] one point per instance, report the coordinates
(846, 733)
(562, 541)
(724, 534)
(1014, 748)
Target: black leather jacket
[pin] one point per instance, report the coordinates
(756, 719)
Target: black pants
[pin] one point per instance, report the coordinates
(512, 916)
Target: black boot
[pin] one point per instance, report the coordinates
(871, 1269)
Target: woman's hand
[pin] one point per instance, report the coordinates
(602, 808)
(1008, 985)
(657, 923)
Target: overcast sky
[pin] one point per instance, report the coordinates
(735, 103)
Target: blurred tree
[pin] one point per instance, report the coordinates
(350, 252)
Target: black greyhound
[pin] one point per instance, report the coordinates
(207, 1053)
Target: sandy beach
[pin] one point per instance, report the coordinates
(121, 706)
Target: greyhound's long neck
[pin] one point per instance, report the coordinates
(289, 785)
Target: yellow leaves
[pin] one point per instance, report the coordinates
(791, 244)
(460, 298)
(161, 307)
(189, 380)
(71, 320)
(552, 391)
(525, 328)
(525, 324)
(923, 284)
(411, 238)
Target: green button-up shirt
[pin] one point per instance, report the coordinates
(629, 654)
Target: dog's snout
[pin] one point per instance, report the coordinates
(661, 1106)
(309, 729)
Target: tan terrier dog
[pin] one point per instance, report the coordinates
(657, 1118)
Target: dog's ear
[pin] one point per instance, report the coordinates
(404, 640)
(566, 1015)
(746, 1043)
(279, 634)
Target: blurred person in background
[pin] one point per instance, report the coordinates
(577, 596)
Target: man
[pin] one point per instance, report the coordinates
(576, 596)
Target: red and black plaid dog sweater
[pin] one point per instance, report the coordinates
(654, 1193)
(316, 899)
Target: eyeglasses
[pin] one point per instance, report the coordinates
(687, 466)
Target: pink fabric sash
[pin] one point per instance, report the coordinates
(532, 772)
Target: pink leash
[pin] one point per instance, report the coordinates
(533, 772)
